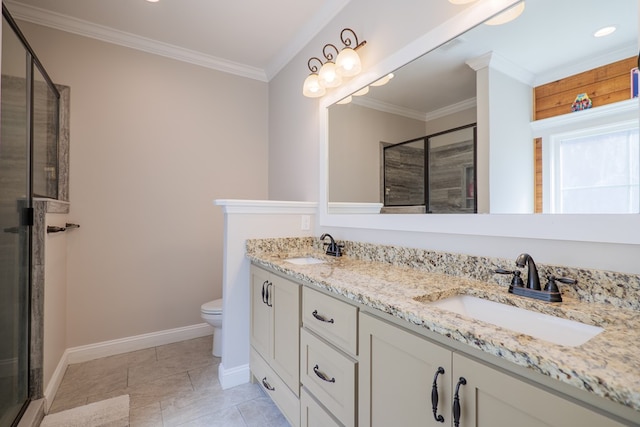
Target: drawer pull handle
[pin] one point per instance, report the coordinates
(321, 318)
(267, 385)
(456, 402)
(269, 297)
(434, 395)
(322, 375)
(264, 292)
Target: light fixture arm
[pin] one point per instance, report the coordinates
(313, 68)
(347, 41)
(329, 56)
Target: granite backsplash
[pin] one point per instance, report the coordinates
(618, 289)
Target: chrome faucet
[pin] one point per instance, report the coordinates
(333, 248)
(533, 280)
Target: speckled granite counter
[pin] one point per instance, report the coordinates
(607, 365)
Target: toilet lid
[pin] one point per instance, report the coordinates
(212, 307)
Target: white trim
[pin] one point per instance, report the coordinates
(499, 63)
(233, 376)
(386, 107)
(100, 32)
(265, 206)
(354, 208)
(55, 381)
(619, 110)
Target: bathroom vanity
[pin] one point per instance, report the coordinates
(372, 351)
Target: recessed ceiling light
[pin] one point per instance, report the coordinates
(604, 31)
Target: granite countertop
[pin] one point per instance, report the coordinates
(607, 365)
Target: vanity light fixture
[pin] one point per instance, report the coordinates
(383, 81)
(348, 61)
(605, 31)
(312, 87)
(363, 91)
(329, 74)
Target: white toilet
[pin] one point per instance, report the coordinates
(211, 312)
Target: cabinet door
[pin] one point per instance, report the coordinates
(397, 370)
(285, 299)
(494, 398)
(261, 312)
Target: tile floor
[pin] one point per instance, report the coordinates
(170, 385)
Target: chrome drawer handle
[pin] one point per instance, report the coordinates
(267, 385)
(321, 318)
(322, 375)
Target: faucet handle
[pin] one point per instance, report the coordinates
(552, 286)
(516, 280)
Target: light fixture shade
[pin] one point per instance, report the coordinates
(383, 81)
(348, 62)
(363, 91)
(508, 15)
(312, 87)
(329, 76)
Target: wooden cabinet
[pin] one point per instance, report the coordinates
(275, 335)
(398, 376)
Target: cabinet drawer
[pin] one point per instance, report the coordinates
(271, 383)
(331, 318)
(330, 376)
(312, 414)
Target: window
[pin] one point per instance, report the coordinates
(596, 170)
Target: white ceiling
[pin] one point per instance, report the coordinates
(254, 38)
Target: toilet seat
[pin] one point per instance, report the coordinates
(212, 307)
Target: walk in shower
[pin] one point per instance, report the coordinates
(28, 167)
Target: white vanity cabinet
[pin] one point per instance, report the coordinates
(397, 370)
(328, 359)
(275, 339)
(397, 376)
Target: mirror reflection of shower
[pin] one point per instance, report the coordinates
(432, 174)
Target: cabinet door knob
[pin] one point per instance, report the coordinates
(456, 402)
(321, 318)
(434, 395)
(322, 375)
(267, 385)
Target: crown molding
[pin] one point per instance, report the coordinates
(99, 32)
(321, 19)
(414, 114)
(500, 63)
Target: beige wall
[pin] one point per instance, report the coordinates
(355, 154)
(153, 142)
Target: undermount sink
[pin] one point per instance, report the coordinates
(546, 327)
(305, 260)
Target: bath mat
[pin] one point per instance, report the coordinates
(112, 412)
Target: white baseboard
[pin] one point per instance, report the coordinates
(233, 376)
(89, 352)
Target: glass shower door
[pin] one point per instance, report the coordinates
(15, 232)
